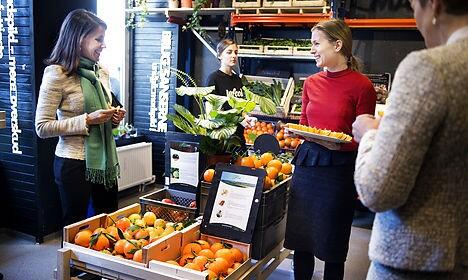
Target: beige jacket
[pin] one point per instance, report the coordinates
(60, 95)
(413, 170)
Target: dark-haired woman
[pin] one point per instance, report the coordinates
(322, 194)
(76, 89)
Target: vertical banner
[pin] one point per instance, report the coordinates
(12, 32)
(159, 85)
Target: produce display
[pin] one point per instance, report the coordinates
(323, 132)
(217, 259)
(259, 128)
(272, 91)
(279, 42)
(127, 236)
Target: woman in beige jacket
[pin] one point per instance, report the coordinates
(76, 89)
(412, 165)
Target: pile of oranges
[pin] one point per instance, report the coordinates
(127, 236)
(276, 170)
(251, 132)
(217, 259)
(287, 142)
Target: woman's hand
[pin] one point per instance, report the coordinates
(118, 115)
(364, 123)
(99, 116)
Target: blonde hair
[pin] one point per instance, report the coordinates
(336, 29)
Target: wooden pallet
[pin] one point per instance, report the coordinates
(283, 10)
(277, 3)
(251, 49)
(246, 3)
(302, 51)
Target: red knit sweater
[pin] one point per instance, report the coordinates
(333, 100)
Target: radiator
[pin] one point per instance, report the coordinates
(136, 165)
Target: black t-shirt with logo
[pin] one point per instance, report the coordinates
(225, 85)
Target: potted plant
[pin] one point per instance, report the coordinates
(131, 20)
(215, 126)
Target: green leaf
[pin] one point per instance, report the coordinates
(216, 101)
(267, 106)
(184, 113)
(223, 133)
(210, 124)
(110, 237)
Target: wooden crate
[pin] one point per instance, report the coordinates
(252, 49)
(277, 3)
(309, 3)
(191, 234)
(302, 51)
(149, 251)
(288, 86)
(246, 3)
(278, 50)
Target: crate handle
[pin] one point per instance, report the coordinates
(165, 247)
(83, 227)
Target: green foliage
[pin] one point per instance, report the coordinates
(130, 21)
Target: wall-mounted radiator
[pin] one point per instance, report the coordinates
(136, 165)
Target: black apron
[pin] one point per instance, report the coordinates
(321, 202)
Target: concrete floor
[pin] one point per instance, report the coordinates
(22, 259)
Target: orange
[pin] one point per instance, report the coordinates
(200, 261)
(99, 230)
(272, 172)
(280, 135)
(130, 248)
(218, 266)
(101, 243)
(281, 143)
(247, 161)
(237, 264)
(266, 157)
(267, 183)
(113, 231)
(238, 256)
(203, 244)
(141, 233)
(119, 246)
(216, 246)
(138, 256)
(275, 163)
(294, 143)
(186, 259)
(123, 224)
(208, 175)
(149, 218)
(191, 248)
(287, 142)
(193, 266)
(258, 163)
(225, 254)
(83, 237)
(206, 253)
(230, 270)
(286, 168)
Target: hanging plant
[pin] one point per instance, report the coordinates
(131, 20)
(194, 21)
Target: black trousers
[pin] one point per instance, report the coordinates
(75, 192)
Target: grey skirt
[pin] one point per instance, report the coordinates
(378, 271)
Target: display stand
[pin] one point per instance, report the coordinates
(113, 268)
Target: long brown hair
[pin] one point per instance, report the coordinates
(77, 25)
(335, 30)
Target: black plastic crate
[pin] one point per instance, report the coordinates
(273, 205)
(176, 213)
(267, 238)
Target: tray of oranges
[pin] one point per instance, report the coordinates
(320, 134)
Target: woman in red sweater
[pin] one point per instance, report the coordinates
(323, 195)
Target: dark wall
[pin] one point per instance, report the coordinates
(146, 47)
(28, 191)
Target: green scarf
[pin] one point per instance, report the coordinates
(102, 165)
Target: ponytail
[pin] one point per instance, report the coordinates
(354, 64)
